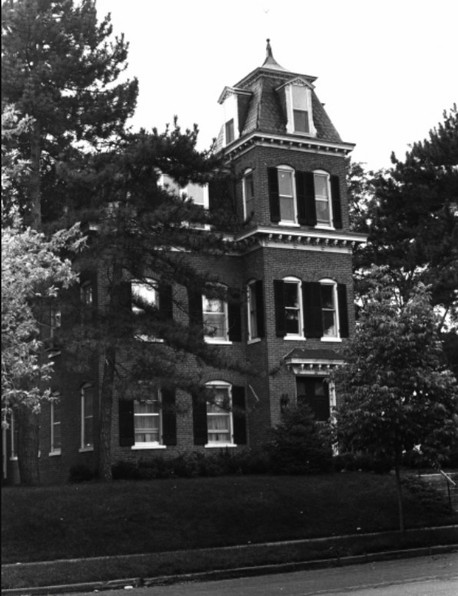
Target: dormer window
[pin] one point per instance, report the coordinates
(298, 96)
(300, 109)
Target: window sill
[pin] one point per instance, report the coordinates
(324, 227)
(290, 224)
(143, 446)
(215, 340)
(255, 340)
(85, 449)
(294, 338)
(331, 339)
(219, 445)
(55, 452)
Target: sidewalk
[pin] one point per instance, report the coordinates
(101, 573)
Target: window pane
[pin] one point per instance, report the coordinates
(230, 131)
(301, 121)
(322, 211)
(56, 436)
(88, 430)
(249, 186)
(329, 323)
(196, 193)
(292, 321)
(215, 325)
(170, 185)
(299, 97)
(253, 313)
(321, 186)
(291, 294)
(285, 183)
(143, 294)
(286, 209)
(213, 305)
(327, 296)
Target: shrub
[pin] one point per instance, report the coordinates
(361, 462)
(80, 473)
(431, 498)
(299, 444)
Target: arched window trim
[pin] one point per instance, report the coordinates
(325, 281)
(329, 224)
(223, 339)
(227, 413)
(292, 279)
(290, 169)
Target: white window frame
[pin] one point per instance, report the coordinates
(300, 310)
(246, 213)
(55, 450)
(216, 339)
(290, 109)
(291, 171)
(230, 431)
(137, 446)
(230, 111)
(329, 223)
(84, 444)
(252, 313)
(336, 337)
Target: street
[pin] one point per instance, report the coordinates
(421, 576)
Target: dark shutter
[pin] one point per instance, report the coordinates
(310, 206)
(195, 307)
(336, 204)
(259, 289)
(280, 323)
(169, 417)
(199, 419)
(301, 197)
(234, 309)
(313, 317)
(213, 195)
(166, 302)
(123, 295)
(126, 422)
(239, 414)
(274, 198)
(343, 309)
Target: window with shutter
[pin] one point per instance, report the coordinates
(289, 308)
(220, 416)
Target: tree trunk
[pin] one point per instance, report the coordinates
(28, 445)
(397, 467)
(107, 393)
(106, 411)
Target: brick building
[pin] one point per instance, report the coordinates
(293, 265)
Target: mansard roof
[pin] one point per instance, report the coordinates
(264, 101)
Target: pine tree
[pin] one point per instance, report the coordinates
(148, 236)
(60, 68)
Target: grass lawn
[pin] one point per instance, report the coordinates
(88, 520)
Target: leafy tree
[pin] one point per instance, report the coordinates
(32, 269)
(61, 67)
(396, 390)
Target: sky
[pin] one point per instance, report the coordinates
(386, 69)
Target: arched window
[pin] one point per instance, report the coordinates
(323, 203)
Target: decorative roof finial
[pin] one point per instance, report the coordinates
(270, 61)
(269, 50)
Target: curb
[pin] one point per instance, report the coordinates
(233, 573)
(436, 540)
